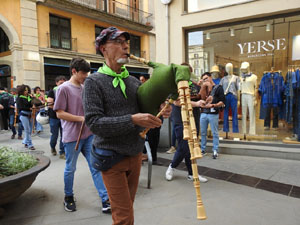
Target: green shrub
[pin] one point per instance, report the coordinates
(13, 162)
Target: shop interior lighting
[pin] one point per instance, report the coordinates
(251, 30)
(268, 27)
(232, 32)
(207, 36)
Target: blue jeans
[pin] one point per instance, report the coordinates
(231, 101)
(55, 128)
(173, 135)
(11, 124)
(213, 120)
(85, 146)
(38, 126)
(182, 151)
(26, 122)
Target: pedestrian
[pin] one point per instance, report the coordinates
(183, 151)
(210, 115)
(12, 113)
(55, 124)
(25, 106)
(4, 101)
(143, 78)
(40, 99)
(112, 113)
(69, 108)
(15, 117)
(152, 136)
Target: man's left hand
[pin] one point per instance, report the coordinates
(168, 110)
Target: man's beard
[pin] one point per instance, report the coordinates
(123, 60)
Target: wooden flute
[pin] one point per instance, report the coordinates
(190, 134)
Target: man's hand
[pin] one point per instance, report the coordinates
(1, 107)
(146, 120)
(177, 103)
(200, 82)
(167, 111)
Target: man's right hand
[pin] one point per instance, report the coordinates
(146, 120)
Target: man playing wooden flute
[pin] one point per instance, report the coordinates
(112, 114)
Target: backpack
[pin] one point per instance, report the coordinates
(4, 100)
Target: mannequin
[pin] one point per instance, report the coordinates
(248, 88)
(230, 84)
(215, 74)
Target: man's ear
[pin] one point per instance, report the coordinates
(73, 71)
(102, 49)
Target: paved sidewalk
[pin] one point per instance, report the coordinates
(280, 170)
(173, 202)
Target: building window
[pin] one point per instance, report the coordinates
(196, 72)
(135, 45)
(4, 42)
(60, 32)
(201, 5)
(196, 56)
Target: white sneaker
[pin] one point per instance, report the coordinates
(215, 154)
(201, 179)
(169, 173)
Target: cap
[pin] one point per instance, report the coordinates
(110, 33)
(245, 65)
(215, 68)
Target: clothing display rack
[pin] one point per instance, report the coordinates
(292, 102)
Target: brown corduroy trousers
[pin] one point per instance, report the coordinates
(121, 182)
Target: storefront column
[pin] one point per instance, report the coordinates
(17, 68)
(32, 68)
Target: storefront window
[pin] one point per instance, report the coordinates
(270, 47)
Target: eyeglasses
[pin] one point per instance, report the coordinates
(120, 41)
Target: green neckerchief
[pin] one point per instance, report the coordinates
(118, 77)
(27, 98)
(37, 95)
(190, 83)
(55, 88)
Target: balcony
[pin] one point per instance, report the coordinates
(55, 40)
(118, 9)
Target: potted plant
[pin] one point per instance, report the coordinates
(18, 170)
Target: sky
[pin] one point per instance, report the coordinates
(196, 38)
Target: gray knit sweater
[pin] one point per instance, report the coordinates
(108, 114)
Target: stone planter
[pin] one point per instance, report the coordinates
(13, 186)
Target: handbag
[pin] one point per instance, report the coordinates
(103, 160)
